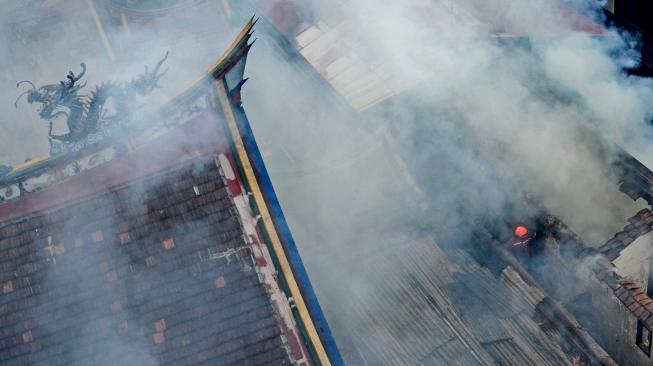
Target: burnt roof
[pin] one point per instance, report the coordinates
(638, 225)
(631, 295)
(425, 304)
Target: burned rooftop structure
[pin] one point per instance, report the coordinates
(151, 233)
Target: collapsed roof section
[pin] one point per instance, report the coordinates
(361, 77)
(433, 304)
(166, 245)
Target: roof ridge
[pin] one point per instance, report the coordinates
(638, 225)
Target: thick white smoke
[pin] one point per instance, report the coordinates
(537, 112)
(507, 88)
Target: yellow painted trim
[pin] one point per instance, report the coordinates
(269, 225)
(221, 63)
(31, 163)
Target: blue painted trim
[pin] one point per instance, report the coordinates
(287, 239)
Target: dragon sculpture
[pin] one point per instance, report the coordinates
(86, 114)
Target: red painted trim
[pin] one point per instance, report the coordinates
(293, 335)
(198, 137)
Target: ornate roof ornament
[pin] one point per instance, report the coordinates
(86, 116)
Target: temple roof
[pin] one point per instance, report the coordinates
(150, 248)
(153, 272)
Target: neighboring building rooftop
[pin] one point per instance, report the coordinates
(433, 305)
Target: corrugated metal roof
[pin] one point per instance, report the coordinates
(420, 304)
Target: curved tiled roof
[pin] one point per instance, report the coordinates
(154, 272)
(153, 250)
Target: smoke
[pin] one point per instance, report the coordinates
(507, 97)
(43, 41)
(518, 102)
(523, 91)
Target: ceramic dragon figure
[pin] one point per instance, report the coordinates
(86, 114)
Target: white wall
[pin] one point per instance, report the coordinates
(633, 262)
